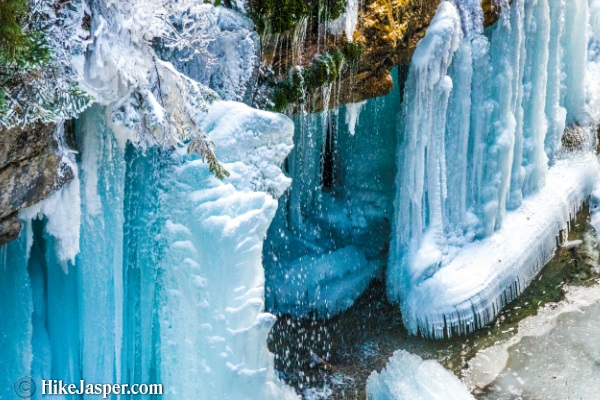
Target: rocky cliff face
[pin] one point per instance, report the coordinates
(32, 166)
(313, 66)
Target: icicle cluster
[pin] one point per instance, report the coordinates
(483, 187)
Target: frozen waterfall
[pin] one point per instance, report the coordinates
(484, 185)
(167, 286)
(475, 144)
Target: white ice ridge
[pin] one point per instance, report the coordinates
(480, 278)
(407, 377)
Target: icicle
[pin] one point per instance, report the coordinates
(575, 59)
(353, 111)
(555, 112)
(421, 179)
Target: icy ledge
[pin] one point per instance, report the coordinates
(476, 281)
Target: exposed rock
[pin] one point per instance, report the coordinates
(10, 227)
(386, 36)
(576, 138)
(32, 167)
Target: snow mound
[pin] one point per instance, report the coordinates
(252, 144)
(213, 280)
(407, 377)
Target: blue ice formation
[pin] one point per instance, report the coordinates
(475, 139)
(484, 185)
(167, 283)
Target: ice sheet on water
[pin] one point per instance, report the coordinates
(553, 356)
(407, 377)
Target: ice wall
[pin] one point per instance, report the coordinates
(168, 284)
(480, 146)
(330, 236)
(212, 274)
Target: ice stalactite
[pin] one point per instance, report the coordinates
(99, 264)
(422, 158)
(353, 111)
(347, 22)
(462, 181)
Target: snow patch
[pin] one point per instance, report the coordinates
(407, 377)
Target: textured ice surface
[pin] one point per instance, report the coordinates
(477, 280)
(326, 283)
(407, 377)
(213, 271)
(337, 210)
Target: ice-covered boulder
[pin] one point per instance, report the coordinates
(326, 284)
(407, 377)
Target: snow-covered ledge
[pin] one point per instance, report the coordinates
(479, 279)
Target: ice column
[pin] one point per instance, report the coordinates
(421, 178)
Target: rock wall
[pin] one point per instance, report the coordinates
(32, 167)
